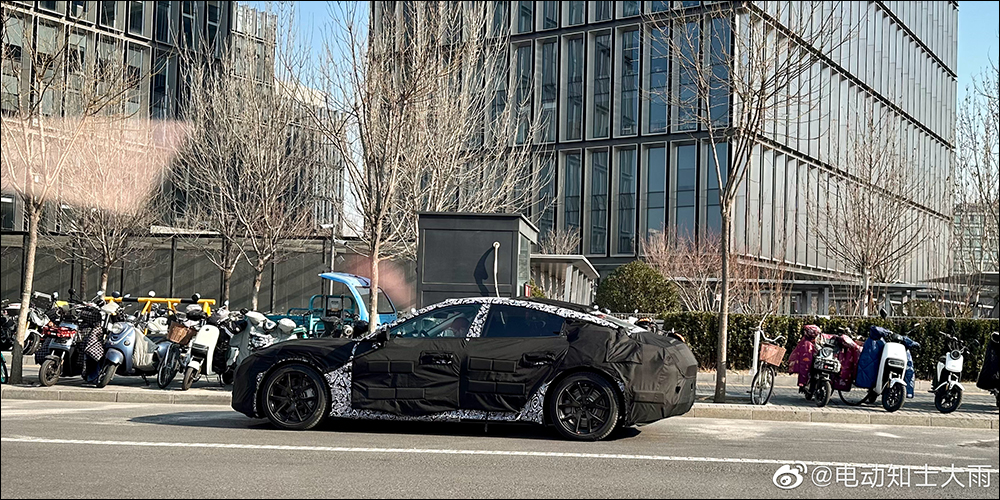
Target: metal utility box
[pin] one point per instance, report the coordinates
(456, 257)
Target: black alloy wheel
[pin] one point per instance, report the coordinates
(948, 400)
(584, 407)
(295, 398)
(893, 398)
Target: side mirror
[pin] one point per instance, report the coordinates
(382, 336)
(72, 292)
(882, 312)
(152, 293)
(55, 295)
(196, 297)
(116, 295)
(127, 296)
(413, 311)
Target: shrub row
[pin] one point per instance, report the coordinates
(701, 331)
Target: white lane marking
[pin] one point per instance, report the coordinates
(886, 435)
(51, 412)
(530, 454)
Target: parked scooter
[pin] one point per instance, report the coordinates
(886, 370)
(948, 389)
(256, 333)
(38, 319)
(201, 361)
(815, 361)
(128, 352)
(989, 377)
(183, 329)
(63, 353)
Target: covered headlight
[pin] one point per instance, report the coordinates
(116, 328)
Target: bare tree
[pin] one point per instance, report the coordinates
(872, 225)
(431, 121)
(70, 105)
(250, 166)
(742, 71)
(561, 241)
(976, 242)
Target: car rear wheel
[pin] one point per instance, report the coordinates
(295, 398)
(584, 407)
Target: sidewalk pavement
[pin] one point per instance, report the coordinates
(978, 410)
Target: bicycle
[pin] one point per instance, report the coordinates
(771, 357)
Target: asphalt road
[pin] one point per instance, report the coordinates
(83, 450)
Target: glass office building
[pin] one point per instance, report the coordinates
(626, 161)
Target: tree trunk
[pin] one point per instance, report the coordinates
(227, 278)
(866, 298)
(105, 272)
(17, 351)
(83, 278)
(722, 358)
(373, 291)
(258, 276)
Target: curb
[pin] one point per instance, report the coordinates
(95, 396)
(700, 410)
(775, 414)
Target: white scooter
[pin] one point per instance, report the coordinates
(200, 361)
(259, 333)
(948, 389)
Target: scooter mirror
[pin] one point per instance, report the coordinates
(116, 295)
(55, 295)
(226, 304)
(196, 297)
(100, 293)
(152, 293)
(883, 313)
(128, 295)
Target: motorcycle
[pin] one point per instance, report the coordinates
(989, 376)
(947, 387)
(128, 352)
(885, 369)
(63, 352)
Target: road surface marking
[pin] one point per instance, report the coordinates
(529, 454)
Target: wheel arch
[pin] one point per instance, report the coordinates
(613, 380)
(259, 393)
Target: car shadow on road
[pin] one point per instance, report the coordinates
(232, 420)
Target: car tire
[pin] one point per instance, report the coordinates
(295, 398)
(578, 401)
(49, 372)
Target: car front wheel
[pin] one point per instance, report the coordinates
(584, 407)
(295, 398)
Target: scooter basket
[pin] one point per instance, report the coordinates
(772, 354)
(180, 334)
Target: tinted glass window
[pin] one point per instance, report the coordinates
(447, 322)
(511, 321)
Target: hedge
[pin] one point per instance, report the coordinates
(701, 332)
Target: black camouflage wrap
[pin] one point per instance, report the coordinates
(484, 379)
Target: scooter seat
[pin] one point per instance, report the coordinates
(157, 339)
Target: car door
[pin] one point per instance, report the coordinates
(417, 371)
(518, 351)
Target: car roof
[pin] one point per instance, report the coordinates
(564, 309)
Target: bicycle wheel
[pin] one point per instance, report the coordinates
(762, 386)
(855, 397)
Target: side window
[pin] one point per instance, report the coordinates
(510, 321)
(447, 322)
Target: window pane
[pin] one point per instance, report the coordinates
(626, 201)
(658, 78)
(603, 11)
(523, 92)
(574, 90)
(630, 8)
(576, 12)
(630, 82)
(687, 184)
(599, 202)
(500, 19)
(525, 18)
(656, 189)
(551, 19)
(602, 87)
(719, 90)
(713, 214)
(660, 5)
(546, 196)
(136, 17)
(162, 24)
(448, 322)
(550, 89)
(689, 43)
(109, 11)
(571, 188)
(510, 321)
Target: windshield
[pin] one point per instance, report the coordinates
(384, 304)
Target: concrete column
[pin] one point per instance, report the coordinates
(810, 295)
(567, 283)
(826, 301)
